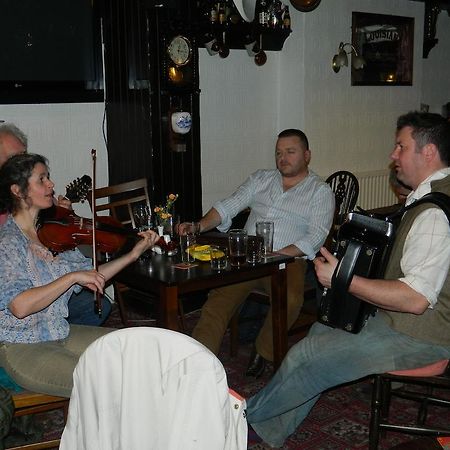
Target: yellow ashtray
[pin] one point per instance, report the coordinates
(201, 252)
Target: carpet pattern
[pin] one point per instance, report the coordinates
(339, 420)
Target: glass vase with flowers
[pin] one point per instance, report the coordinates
(165, 215)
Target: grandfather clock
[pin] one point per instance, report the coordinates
(175, 106)
(152, 98)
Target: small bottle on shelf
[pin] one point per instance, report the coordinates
(286, 18)
(272, 16)
(214, 15)
(222, 13)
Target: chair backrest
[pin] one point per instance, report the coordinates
(165, 390)
(346, 190)
(121, 198)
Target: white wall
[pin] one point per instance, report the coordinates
(436, 68)
(243, 106)
(348, 127)
(351, 127)
(65, 134)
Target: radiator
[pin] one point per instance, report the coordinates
(374, 189)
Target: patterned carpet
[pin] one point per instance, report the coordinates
(339, 421)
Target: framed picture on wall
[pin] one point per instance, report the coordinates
(386, 43)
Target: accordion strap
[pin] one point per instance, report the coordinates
(437, 198)
(343, 275)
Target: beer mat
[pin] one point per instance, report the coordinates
(184, 266)
(444, 441)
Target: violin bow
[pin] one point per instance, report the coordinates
(97, 297)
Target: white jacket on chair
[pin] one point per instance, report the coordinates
(149, 388)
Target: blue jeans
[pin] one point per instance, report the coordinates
(326, 358)
(82, 312)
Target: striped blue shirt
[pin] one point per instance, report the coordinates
(302, 215)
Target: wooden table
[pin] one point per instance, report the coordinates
(157, 275)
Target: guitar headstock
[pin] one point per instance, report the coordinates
(78, 189)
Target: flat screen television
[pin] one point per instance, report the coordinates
(50, 51)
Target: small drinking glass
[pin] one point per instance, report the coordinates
(265, 230)
(186, 242)
(142, 217)
(237, 243)
(219, 259)
(254, 250)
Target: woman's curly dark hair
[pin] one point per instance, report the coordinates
(17, 170)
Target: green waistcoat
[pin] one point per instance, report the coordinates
(434, 324)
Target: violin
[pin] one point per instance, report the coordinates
(60, 229)
(66, 230)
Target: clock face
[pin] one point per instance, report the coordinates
(179, 50)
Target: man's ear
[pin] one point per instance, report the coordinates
(308, 156)
(430, 152)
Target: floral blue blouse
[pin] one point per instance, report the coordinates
(24, 265)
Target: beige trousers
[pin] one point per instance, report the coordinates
(224, 302)
(47, 367)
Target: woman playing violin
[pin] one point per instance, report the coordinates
(38, 347)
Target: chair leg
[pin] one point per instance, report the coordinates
(423, 410)
(385, 400)
(376, 413)
(121, 303)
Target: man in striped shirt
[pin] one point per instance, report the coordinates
(301, 206)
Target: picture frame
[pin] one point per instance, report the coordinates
(386, 43)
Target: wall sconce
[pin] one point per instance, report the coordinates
(341, 58)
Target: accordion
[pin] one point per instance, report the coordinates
(363, 246)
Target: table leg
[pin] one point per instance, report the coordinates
(279, 314)
(168, 308)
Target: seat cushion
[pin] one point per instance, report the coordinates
(431, 370)
(7, 382)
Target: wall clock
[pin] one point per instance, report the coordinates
(179, 50)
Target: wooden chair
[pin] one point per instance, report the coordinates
(27, 402)
(345, 187)
(424, 381)
(119, 200)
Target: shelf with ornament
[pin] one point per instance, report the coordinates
(222, 27)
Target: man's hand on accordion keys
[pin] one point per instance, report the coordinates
(325, 266)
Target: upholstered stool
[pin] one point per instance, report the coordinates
(432, 376)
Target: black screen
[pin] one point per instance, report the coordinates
(47, 44)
